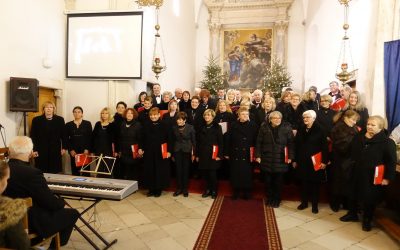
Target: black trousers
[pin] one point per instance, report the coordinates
(274, 183)
(210, 176)
(182, 164)
(310, 191)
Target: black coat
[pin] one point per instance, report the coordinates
(325, 120)
(48, 138)
(309, 143)
(26, 181)
(184, 105)
(169, 120)
(367, 154)
(270, 146)
(241, 136)
(156, 169)
(79, 138)
(261, 116)
(195, 117)
(103, 139)
(294, 116)
(130, 134)
(207, 137)
(342, 135)
(183, 140)
(362, 122)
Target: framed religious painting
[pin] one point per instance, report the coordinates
(246, 55)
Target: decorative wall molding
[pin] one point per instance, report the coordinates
(231, 14)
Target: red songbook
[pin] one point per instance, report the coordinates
(252, 158)
(162, 113)
(378, 177)
(317, 161)
(286, 155)
(135, 151)
(214, 152)
(164, 150)
(81, 160)
(338, 104)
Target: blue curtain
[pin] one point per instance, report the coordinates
(392, 82)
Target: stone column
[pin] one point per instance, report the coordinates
(280, 41)
(215, 42)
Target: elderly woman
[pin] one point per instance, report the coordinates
(231, 100)
(355, 103)
(206, 101)
(286, 96)
(166, 98)
(325, 115)
(293, 112)
(369, 151)
(267, 107)
(274, 151)
(209, 152)
(240, 138)
(12, 211)
(310, 161)
(342, 134)
(310, 100)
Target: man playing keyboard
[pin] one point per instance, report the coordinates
(47, 215)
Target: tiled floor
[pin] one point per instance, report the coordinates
(173, 223)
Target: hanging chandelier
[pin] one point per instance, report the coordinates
(345, 67)
(147, 3)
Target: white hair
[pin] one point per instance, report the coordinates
(310, 113)
(20, 145)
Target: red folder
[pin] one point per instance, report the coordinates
(378, 177)
(252, 158)
(135, 151)
(338, 104)
(162, 113)
(164, 150)
(214, 152)
(286, 155)
(81, 160)
(317, 161)
(140, 109)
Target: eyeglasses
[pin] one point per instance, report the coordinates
(307, 117)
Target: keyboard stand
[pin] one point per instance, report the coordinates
(95, 202)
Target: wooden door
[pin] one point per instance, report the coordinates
(45, 95)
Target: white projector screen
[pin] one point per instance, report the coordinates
(105, 45)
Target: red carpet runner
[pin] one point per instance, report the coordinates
(239, 224)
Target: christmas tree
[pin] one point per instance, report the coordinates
(213, 77)
(276, 78)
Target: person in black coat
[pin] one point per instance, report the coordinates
(47, 215)
(184, 103)
(310, 101)
(239, 143)
(267, 107)
(79, 133)
(293, 112)
(129, 143)
(206, 101)
(274, 151)
(342, 135)
(140, 105)
(225, 118)
(49, 138)
(144, 113)
(325, 115)
(209, 152)
(195, 114)
(169, 118)
(184, 142)
(369, 150)
(310, 140)
(156, 167)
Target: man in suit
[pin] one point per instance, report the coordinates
(335, 92)
(47, 215)
(156, 95)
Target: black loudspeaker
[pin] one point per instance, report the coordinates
(24, 94)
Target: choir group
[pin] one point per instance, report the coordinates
(329, 138)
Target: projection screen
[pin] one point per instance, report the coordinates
(104, 45)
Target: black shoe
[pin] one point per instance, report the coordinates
(275, 204)
(185, 194)
(235, 196)
(366, 225)
(334, 207)
(314, 210)
(157, 193)
(206, 194)
(302, 206)
(150, 193)
(178, 192)
(213, 194)
(349, 217)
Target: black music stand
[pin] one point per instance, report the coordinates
(94, 231)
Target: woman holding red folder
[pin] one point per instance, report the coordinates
(129, 143)
(209, 152)
(311, 157)
(274, 151)
(374, 154)
(156, 151)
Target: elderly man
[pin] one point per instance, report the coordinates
(178, 94)
(47, 215)
(335, 92)
(156, 95)
(257, 98)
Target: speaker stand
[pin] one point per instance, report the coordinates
(24, 114)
